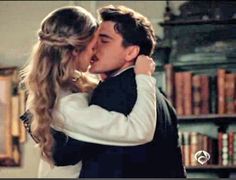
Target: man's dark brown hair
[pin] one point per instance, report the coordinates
(133, 27)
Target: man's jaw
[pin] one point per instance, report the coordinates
(93, 62)
(97, 71)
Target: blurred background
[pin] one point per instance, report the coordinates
(20, 21)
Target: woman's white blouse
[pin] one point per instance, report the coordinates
(97, 125)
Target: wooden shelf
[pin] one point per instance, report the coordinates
(222, 171)
(211, 167)
(216, 118)
(200, 64)
(198, 22)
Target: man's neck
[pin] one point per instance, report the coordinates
(119, 71)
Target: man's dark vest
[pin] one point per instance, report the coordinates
(159, 158)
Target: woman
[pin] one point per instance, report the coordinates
(67, 38)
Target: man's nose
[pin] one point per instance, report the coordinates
(94, 47)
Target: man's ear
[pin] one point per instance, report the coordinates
(132, 52)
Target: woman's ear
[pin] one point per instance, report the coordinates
(75, 52)
(132, 52)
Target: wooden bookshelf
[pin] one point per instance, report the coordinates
(203, 65)
(219, 119)
(209, 117)
(222, 171)
(198, 22)
(200, 56)
(211, 167)
(198, 65)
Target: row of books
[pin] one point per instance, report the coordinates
(227, 148)
(12, 105)
(194, 94)
(226, 91)
(194, 142)
(195, 147)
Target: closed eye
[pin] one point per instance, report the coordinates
(104, 38)
(104, 41)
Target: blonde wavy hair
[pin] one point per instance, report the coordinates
(52, 68)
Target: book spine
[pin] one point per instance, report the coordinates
(210, 149)
(205, 94)
(186, 148)
(205, 145)
(221, 90)
(187, 93)
(234, 147)
(196, 94)
(229, 93)
(220, 147)
(231, 147)
(181, 144)
(235, 92)
(225, 150)
(179, 93)
(193, 148)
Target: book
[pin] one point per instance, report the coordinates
(221, 90)
(186, 148)
(196, 87)
(234, 147)
(205, 100)
(225, 150)
(235, 92)
(210, 149)
(231, 147)
(179, 93)
(181, 143)
(230, 93)
(220, 147)
(194, 147)
(187, 93)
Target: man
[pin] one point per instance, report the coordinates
(123, 35)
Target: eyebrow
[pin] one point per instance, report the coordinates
(105, 36)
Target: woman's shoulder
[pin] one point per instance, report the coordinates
(77, 99)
